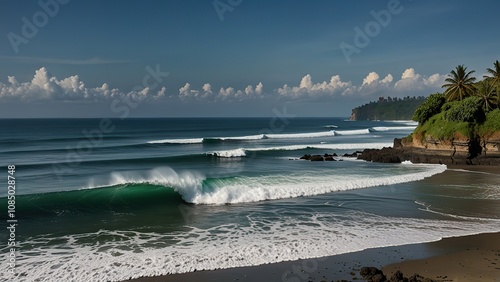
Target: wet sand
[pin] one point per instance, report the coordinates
(468, 258)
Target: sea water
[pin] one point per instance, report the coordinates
(157, 196)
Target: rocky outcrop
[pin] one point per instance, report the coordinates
(471, 152)
(319, 158)
(373, 274)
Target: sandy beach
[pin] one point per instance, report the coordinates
(467, 258)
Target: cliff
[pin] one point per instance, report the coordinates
(387, 109)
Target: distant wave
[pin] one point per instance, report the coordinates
(242, 152)
(351, 132)
(330, 133)
(384, 128)
(177, 141)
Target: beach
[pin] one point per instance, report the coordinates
(465, 259)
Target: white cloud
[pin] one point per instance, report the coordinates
(207, 88)
(307, 88)
(259, 88)
(370, 78)
(412, 81)
(43, 86)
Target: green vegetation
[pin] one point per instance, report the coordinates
(471, 109)
(460, 84)
(430, 107)
(388, 109)
(491, 125)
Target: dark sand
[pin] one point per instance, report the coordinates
(468, 258)
(459, 259)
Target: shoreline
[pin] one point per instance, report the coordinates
(464, 258)
(461, 258)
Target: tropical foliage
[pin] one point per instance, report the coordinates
(467, 107)
(488, 92)
(431, 106)
(494, 74)
(460, 84)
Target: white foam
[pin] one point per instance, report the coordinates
(177, 141)
(405, 122)
(344, 146)
(385, 128)
(242, 138)
(351, 132)
(330, 126)
(300, 135)
(254, 189)
(242, 152)
(427, 208)
(406, 163)
(260, 241)
(236, 153)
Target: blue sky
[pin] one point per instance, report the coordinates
(248, 57)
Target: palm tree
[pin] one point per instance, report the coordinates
(460, 84)
(495, 74)
(488, 93)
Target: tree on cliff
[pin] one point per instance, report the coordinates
(495, 73)
(487, 91)
(460, 84)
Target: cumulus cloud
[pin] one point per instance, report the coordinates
(44, 86)
(307, 88)
(411, 83)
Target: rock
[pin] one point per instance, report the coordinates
(353, 155)
(316, 158)
(372, 274)
(398, 277)
(306, 157)
(378, 278)
(397, 143)
(329, 158)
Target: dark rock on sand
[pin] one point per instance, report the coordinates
(373, 274)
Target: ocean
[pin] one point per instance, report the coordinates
(109, 200)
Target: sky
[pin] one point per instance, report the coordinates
(225, 58)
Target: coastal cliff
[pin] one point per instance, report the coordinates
(459, 126)
(387, 109)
